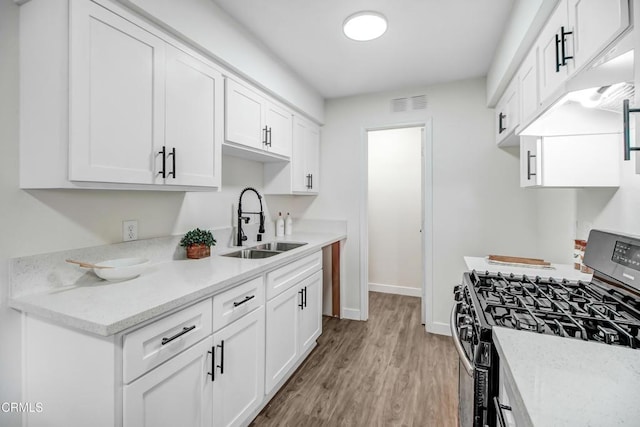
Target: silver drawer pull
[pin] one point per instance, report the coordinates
(178, 335)
(499, 407)
(247, 299)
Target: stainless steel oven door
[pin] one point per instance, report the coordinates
(466, 389)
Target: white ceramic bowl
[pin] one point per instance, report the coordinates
(122, 268)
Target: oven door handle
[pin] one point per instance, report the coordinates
(468, 366)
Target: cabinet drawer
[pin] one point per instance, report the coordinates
(236, 302)
(143, 349)
(283, 278)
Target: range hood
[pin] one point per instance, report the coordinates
(591, 102)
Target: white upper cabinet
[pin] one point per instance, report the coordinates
(577, 32)
(306, 157)
(121, 105)
(595, 24)
(245, 112)
(302, 174)
(278, 122)
(528, 80)
(256, 124)
(508, 114)
(194, 121)
(556, 56)
(117, 93)
(570, 161)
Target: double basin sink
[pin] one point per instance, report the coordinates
(264, 250)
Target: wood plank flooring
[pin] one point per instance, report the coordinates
(384, 372)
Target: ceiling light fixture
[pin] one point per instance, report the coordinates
(365, 26)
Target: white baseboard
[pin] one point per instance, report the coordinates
(439, 328)
(350, 313)
(394, 289)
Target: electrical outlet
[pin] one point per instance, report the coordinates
(130, 230)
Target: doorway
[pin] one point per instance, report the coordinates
(397, 213)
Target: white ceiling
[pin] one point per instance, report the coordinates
(427, 42)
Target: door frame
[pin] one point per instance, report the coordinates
(427, 218)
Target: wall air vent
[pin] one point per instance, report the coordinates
(400, 105)
(419, 102)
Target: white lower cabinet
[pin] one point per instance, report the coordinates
(205, 365)
(177, 393)
(310, 314)
(294, 322)
(238, 384)
(282, 335)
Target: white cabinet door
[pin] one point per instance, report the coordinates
(595, 24)
(549, 45)
(116, 97)
(530, 150)
(279, 125)
(194, 120)
(528, 79)
(508, 111)
(313, 158)
(244, 116)
(282, 336)
(570, 161)
(238, 387)
(311, 311)
(305, 160)
(177, 393)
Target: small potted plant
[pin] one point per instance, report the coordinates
(198, 243)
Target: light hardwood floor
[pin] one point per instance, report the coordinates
(384, 372)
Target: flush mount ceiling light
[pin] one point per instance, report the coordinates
(364, 26)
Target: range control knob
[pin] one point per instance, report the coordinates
(457, 293)
(465, 333)
(464, 320)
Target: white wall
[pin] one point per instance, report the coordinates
(478, 206)
(210, 28)
(395, 207)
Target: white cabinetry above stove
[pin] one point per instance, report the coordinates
(108, 101)
(578, 35)
(570, 161)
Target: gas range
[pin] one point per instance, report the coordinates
(605, 311)
(584, 310)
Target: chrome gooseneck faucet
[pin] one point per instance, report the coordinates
(241, 237)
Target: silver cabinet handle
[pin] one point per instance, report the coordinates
(468, 366)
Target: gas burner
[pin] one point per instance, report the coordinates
(607, 335)
(565, 308)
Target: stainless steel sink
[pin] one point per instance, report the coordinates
(252, 254)
(264, 250)
(278, 246)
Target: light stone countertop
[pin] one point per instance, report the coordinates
(569, 382)
(557, 271)
(106, 308)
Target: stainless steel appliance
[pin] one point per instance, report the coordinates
(605, 310)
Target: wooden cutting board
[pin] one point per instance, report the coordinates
(519, 260)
